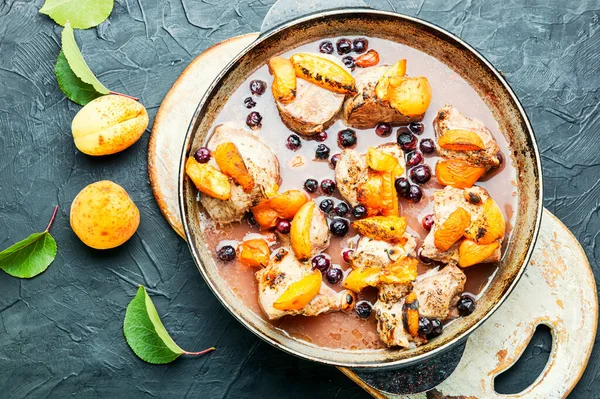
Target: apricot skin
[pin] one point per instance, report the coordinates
(103, 216)
(108, 125)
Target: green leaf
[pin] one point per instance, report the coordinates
(76, 61)
(30, 257)
(146, 334)
(74, 88)
(82, 14)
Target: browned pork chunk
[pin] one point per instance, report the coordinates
(314, 109)
(260, 161)
(438, 291)
(449, 118)
(284, 270)
(447, 201)
(364, 110)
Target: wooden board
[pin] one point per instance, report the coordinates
(557, 290)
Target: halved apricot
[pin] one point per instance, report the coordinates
(300, 231)
(264, 215)
(369, 193)
(208, 180)
(385, 228)
(396, 70)
(254, 253)
(389, 195)
(457, 173)
(288, 203)
(359, 279)
(470, 253)
(452, 229)
(232, 164)
(461, 140)
(284, 79)
(323, 72)
(402, 271)
(410, 96)
(410, 314)
(489, 226)
(300, 293)
(381, 161)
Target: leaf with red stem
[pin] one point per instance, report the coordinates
(31, 256)
(147, 336)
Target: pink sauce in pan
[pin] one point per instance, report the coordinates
(339, 329)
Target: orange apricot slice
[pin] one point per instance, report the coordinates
(461, 140)
(410, 314)
(368, 59)
(410, 96)
(208, 179)
(254, 253)
(288, 203)
(284, 79)
(489, 226)
(384, 228)
(396, 70)
(470, 253)
(382, 162)
(402, 271)
(457, 173)
(389, 195)
(300, 293)
(323, 72)
(359, 279)
(451, 230)
(300, 231)
(232, 164)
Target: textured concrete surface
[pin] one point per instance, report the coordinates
(60, 333)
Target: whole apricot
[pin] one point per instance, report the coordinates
(103, 216)
(108, 124)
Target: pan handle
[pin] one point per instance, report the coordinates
(287, 10)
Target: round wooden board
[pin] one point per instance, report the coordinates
(558, 287)
(173, 118)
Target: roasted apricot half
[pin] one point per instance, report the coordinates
(383, 84)
(410, 96)
(461, 140)
(452, 229)
(470, 253)
(489, 226)
(300, 293)
(323, 72)
(402, 271)
(359, 279)
(457, 173)
(300, 231)
(254, 253)
(284, 79)
(410, 314)
(232, 164)
(208, 180)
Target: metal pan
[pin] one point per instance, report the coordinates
(461, 58)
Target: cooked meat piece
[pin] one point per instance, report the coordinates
(388, 311)
(364, 110)
(374, 253)
(319, 232)
(314, 109)
(351, 170)
(445, 202)
(262, 164)
(437, 290)
(448, 118)
(284, 270)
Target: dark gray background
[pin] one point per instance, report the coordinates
(61, 332)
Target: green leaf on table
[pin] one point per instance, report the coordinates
(31, 256)
(76, 62)
(146, 334)
(83, 14)
(74, 88)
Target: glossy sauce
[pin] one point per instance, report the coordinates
(338, 329)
